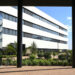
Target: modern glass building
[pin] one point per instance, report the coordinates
(38, 27)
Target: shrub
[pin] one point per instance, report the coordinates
(47, 55)
(32, 57)
(8, 62)
(40, 54)
(70, 59)
(41, 62)
(24, 52)
(29, 62)
(62, 57)
(54, 62)
(47, 63)
(0, 60)
(54, 53)
(25, 62)
(4, 62)
(14, 62)
(8, 56)
(0, 53)
(65, 63)
(0, 56)
(60, 63)
(35, 62)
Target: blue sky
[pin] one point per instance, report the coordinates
(62, 14)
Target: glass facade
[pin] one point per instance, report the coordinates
(12, 18)
(9, 17)
(9, 31)
(29, 35)
(1, 29)
(41, 18)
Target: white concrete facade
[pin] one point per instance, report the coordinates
(41, 43)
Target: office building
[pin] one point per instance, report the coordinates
(38, 27)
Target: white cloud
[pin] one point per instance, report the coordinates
(69, 18)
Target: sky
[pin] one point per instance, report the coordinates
(62, 14)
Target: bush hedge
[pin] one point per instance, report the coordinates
(8, 56)
(47, 55)
(38, 62)
(62, 56)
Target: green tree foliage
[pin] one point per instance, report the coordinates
(55, 53)
(69, 56)
(40, 54)
(10, 50)
(32, 57)
(33, 48)
(47, 55)
(0, 53)
(24, 52)
(62, 57)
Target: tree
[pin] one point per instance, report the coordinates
(10, 50)
(33, 48)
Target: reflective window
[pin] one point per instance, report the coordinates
(14, 32)
(10, 31)
(40, 18)
(0, 40)
(42, 28)
(28, 35)
(6, 31)
(23, 22)
(62, 28)
(0, 33)
(28, 12)
(9, 17)
(0, 16)
(6, 16)
(28, 23)
(24, 34)
(12, 18)
(16, 20)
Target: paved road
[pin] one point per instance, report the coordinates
(37, 70)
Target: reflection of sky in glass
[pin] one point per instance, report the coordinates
(0, 16)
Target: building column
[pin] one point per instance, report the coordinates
(19, 35)
(73, 31)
